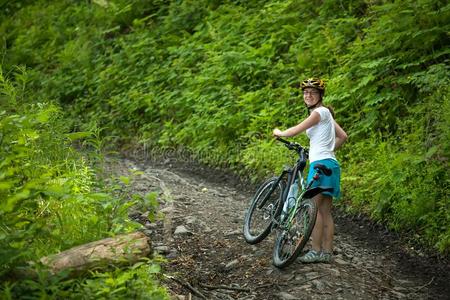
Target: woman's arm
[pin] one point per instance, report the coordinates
(341, 136)
(310, 121)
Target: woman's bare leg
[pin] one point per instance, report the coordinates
(317, 232)
(328, 223)
(323, 232)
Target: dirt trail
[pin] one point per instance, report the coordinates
(209, 259)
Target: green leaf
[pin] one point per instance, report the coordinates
(154, 268)
(78, 135)
(99, 196)
(431, 152)
(12, 201)
(6, 185)
(125, 180)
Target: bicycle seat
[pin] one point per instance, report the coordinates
(323, 169)
(317, 190)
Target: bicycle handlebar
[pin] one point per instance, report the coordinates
(291, 145)
(282, 140)
(302, 151)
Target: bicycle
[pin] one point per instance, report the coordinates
(294, 225)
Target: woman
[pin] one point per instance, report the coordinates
(325, 136)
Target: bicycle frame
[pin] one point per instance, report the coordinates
(310, 192)
(286, 225)
(298, 168)
(305, 188)
(292, 174)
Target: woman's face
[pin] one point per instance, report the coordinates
(311, 96)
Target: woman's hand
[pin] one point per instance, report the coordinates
(277, 132)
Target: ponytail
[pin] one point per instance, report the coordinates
(326, 106)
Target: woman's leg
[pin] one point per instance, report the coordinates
(317, 232)
(323, 232)
(326, 203)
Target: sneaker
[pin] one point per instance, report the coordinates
(311, 257)
(325, 257)
(316, 257)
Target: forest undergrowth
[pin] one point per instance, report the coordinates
(213, 78)
(55, 196)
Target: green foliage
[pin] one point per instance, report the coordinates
(51, 199)
(215, 77)
(135, 282)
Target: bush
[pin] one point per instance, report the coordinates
(52, 200)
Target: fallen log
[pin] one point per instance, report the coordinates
(121, 249)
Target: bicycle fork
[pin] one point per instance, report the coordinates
(274, 186)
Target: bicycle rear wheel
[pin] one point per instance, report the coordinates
(292, 239)
(258, 221)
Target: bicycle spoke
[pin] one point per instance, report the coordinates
(259, 218)
(264, 215)
(295, 235)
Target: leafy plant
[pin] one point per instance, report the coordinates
(51, 200)
(215, 77)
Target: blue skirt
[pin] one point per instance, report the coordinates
(327, 181)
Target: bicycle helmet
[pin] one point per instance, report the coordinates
(313, 83)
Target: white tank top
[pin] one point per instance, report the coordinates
(322, 136)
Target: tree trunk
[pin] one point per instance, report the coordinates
(127, 248)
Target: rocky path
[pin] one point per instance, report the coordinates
(207, 257)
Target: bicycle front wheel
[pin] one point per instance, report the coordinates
(292, 238)
(266, 204)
